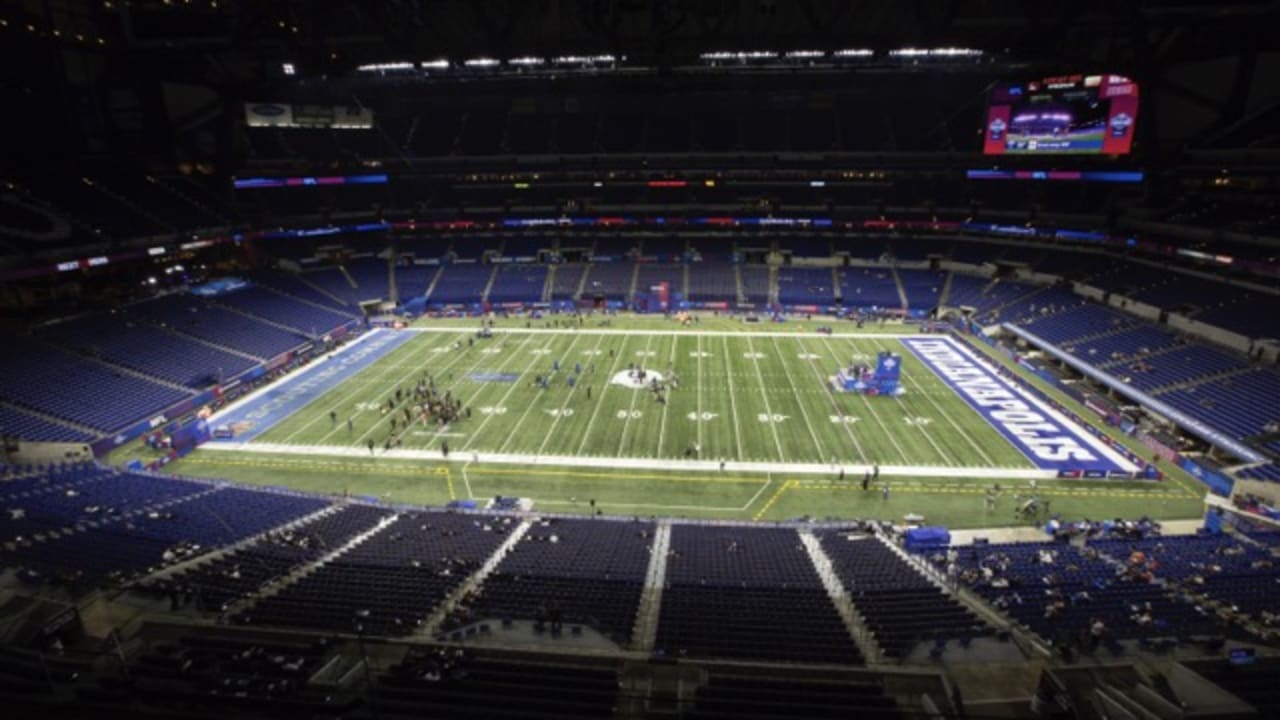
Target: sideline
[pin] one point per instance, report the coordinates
(708, 466)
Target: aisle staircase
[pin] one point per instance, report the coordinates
(475, 581)
(549, 283)
(493, 277)
(902, 291)
(277, 585)
(840, 597)
(645, 631)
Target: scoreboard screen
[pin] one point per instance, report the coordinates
(1071, 114)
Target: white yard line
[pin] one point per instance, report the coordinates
(502, 401)
(824, 382)
(551, 431)
(626, 422)
(733, 401)
(768, 480)
(671, 368)
(867, 404)
(942, 411)
(698, 421)
(453, 385)
(515, 430)
(358, 386)
(795, 392)
(604, 390)
(435, 373)
(466, 481)
(709, 467)
(764, 394)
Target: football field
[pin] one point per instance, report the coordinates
(757, 398)
(732, 397)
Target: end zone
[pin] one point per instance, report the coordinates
(253, 414)
(1046, 436)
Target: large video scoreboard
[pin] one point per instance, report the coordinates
(1071, 114)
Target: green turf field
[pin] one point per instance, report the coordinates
(759, 399)
(763, 399)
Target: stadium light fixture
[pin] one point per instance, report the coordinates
(584, 59)
(435, 65)
(853, 53)
(385, 67)
(481, 62)
(744, 55)
(805, 54)
(911, 52)
(288, 69)
(528, 61)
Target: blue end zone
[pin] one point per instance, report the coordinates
(1042, 434)
(255, 415)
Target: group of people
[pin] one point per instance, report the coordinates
(423, 402)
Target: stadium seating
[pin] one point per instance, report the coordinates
(587, 572)
(297, 286)
(280, 309)
(83, 391)
(18, 424)
(900, 606)
(650, 274)
(609, 280)
(564, 285)
(391, 582)
(712, 281)
(1026, 307)
(868, 287)
(1181, 364)
(805, 286)
(238, 574)
(412, 281)
(120, 339)
(1117, 347)
(198, 318)
(370, 278)
(923, 287)
(750, 594)
(461, 284)
(755, 284)
(1235, 573)
(1064, 327)
(1057, 590)
(333, 281)
(518, 284)
(1231, 403)
(93, 524)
